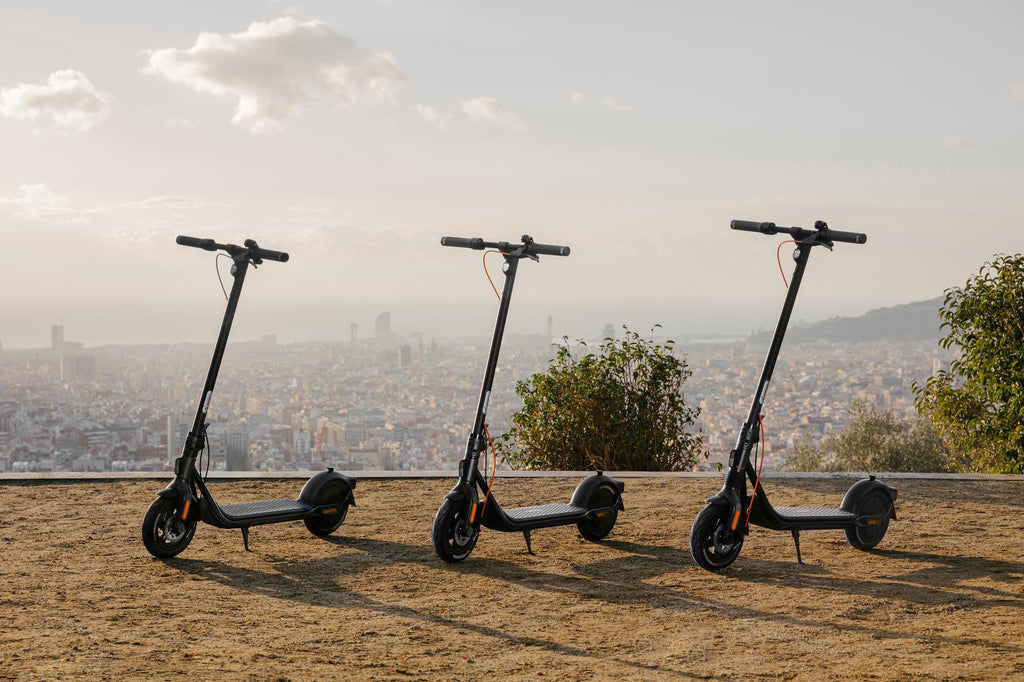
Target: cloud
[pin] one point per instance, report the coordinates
(434, 117)
(492, 111)
(612, 104)
(276, 68)
(577, 97)
(955, 143)
(67, 101)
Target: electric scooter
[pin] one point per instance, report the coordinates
(170, 523)
(716, 536)
(597, 500)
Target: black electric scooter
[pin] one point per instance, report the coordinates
(170, 523)
(717, 533)
(595, 503)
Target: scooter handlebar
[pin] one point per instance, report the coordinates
(267, 254)
(529, 248)
(799, 233)
(206, 244)
(251, 247)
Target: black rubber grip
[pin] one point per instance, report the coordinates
(463, 242)
(751, 226)
(267, 254)
(207, 244)
(848, 237)
(548, 250)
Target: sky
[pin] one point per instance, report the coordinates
(353, 134)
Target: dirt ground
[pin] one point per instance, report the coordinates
(942, 597)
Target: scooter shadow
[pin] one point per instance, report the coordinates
(304, 583)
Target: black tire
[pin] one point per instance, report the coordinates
(706, 539)
(597, 528)
(453, 536)
(333, 492)
(162, 534)
(878, 506)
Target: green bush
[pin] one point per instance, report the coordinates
(875, 440)
(978, 404)
(620, 409)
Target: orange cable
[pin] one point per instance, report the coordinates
(494, 470)
(778, 257)
(486, 272)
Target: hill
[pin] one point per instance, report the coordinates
(918, 321)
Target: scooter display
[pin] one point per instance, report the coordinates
(716, 536)
(170, 522)
(595, 503)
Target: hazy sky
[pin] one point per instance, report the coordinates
(354, 134)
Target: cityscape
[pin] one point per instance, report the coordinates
(389, 402)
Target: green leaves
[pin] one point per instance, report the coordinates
(620, 409)
(978, 405)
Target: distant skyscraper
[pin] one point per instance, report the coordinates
(354, 333)
(609, 331)
(237, 438)
(551, 338)
(57, 337)
(383, 327)
(404, 356)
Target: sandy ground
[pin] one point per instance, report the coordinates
(942, 597)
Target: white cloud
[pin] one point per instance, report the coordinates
(612, 104)
(434, 117)
(276, 68)
(577, 97)
(492, 111)
(955, 143)
(67, 101)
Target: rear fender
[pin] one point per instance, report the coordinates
(581, 496)
(313, 486)
(864, 486)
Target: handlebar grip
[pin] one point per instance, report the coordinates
(463, 242)
(267, 254)
(548, 250)
(848, 237)
(752, 226)
(206, 244)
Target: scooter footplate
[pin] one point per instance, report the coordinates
(814, 512)
(265, 507)
(544, 511)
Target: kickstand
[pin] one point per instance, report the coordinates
(796, 540)
(526, 536)
(245, 537)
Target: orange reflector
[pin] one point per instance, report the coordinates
(472, 514)
(330, 511)
(184, 512)
(874, 522)
(736, 519)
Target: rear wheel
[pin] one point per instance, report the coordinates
(601, 524)
(163, 534)
(712, 544)
(333, 493)
(873, 511)
(453, 536)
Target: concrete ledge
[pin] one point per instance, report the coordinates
(108, 476)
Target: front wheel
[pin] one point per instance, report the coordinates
(333, 493)
(596, 528)
(873, 511)
(454, 537)
(162, 533)
(712, 544)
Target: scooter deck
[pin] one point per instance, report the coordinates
(546, 513)
(262, 508)
(811, 513)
